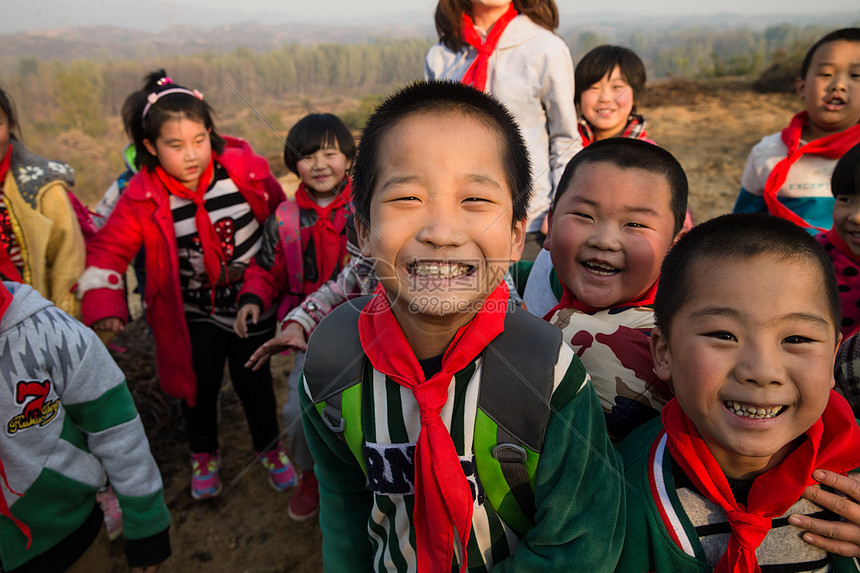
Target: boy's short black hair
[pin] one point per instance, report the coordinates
(846, 175)
(314, 131)
(633, 154)
(600, 61)
(847, 34)
(734, 237)
(441, 97)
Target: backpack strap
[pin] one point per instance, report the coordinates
(288, 216)
(516, 388)
(338, 364)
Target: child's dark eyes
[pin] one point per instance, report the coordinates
(846, 199)
(722, 335)
(636, 225)
(797, 339)
(583, 215)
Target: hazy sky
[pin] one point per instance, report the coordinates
(22, 15)
(153, 15)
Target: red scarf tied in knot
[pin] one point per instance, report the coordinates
(443, 497)
(476, 75)
(832, 146)
(213, 255)
(831, 443)
(326, 233)
(5, 301)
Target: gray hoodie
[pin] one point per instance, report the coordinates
(531, 72)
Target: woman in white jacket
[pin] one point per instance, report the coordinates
(509, 50)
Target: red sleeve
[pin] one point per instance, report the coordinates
(275, 192)
(112, 248)
(267, 285)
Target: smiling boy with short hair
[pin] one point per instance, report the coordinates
(620, 205)
(412, 453)
(747, 339)
(788, 173)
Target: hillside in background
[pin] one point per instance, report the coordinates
(69, 84)
(141, 40)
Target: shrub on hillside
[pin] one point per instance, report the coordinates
(780, 74)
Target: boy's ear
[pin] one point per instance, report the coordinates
(799, 87)
(839, 339)
(518, 240)
(362, 230)
(150, 148)
(661, 355)
(546, 241)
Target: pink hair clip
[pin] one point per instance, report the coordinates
(164, 80)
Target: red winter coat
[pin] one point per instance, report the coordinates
(142, 217)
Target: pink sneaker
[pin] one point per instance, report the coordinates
(113, 514)
(305, 502)
(282, 475)
(205, 482)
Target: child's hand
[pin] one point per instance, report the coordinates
(113, 324)
(292, 336)
(240, 325)
(839, 537)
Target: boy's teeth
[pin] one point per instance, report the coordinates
(748, 411)
(601, 269)
(437, 270)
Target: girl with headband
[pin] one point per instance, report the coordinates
(197, 206)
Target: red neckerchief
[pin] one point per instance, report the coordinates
(846, 264)
(443, 497)
(476, 75)
(832, 443)
(213, 255)
(5, 165)
(840, 245)
(832, 146)
(326, 234)
(7, 267)
(635, 129)
(569, 300)
(5, 301)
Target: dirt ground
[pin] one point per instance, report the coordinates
(710, 126)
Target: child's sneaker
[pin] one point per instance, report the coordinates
(113, 514)
(282, 475)
(305, 502)
(205, 482)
